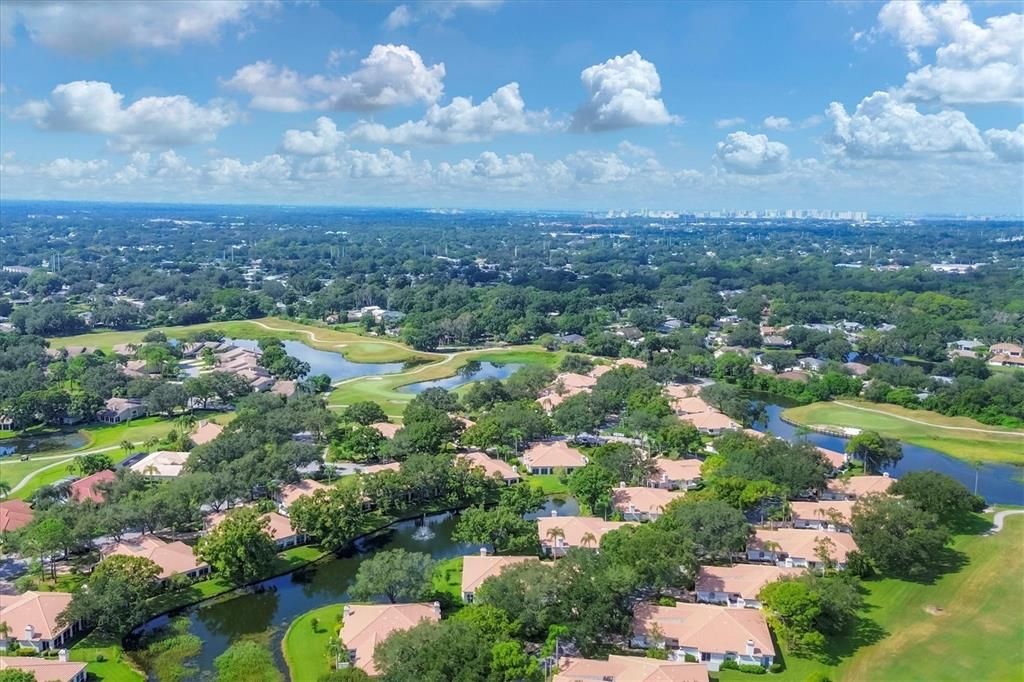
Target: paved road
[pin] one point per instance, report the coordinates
(1016, 434)
(997, 520)
(61, 459)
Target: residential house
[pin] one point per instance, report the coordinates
(205, 432)
(386, 429)
(286, 389)
(120, 410)
(558, 534)
(738, 585)
(857, 369)
(570, 339)
(549, 457)
(126, 349)
(173, 558)
(14, 514)
(833, 515)
(855, 487)
(711, 634)
(630, 362)
(793, 547)
(137, 369)
(291, 492)
(279, 527)
(161, 465)
(691, 405)
(673, 474)
(478, 568)
(967, 345)
(58, 669)
(640, 503)
(1006, 355)
(710, 423)
(775, 341)
(91, 487)
(812, 364)
(492, 467)
(629, 669)
(795, 375)
(33, 620)
(364, 626)
(837, 459)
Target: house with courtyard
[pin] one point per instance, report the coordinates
(291, 492)
(558, 534)
(641, 503)
(33, 620)
(492, 468)
(829, 515)
(364, 626)
(173, 558)
(855, 487)
(553, 456)
(738, 585)
(162, 465)
(675, 474)
(476, 568)
(796, 547)
(279, 527)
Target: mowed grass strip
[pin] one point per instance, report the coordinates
(306, 641)
(990, 444)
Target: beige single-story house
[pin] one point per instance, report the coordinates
(855, 487)
(279, 527)
(173, 558)
(738, 585)
(837, 459)
(33, 620)
(628, 669)
(675, 474)
(120, 410)
(478, 568)
(794, 547)
(59, 669)
(290, 492)
(710, 423)
(492, 467)
(205, 432)
(692, 404)
(553, 456)
(386, 429)
(832, 515)
(711, 634)
(558, 534)
(162, 464)
(640, 503)
(364, 626)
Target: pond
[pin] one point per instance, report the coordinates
(269, 608)
(997, 483)
(39, 445)
(334, 365)
(473, 371)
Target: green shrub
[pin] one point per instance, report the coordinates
(751, 669)
(777, 667)
(690, 658)
(729, 664)
(666, 601)
(659, 654)
(818, 677)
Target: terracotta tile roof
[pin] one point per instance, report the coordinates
(293, 491)
(575, 382)
(37, 609)
(49, 670)
(676, 469)
(600, 370)
(490, 465)
(164, 463)
(745, 580)
(1005, 348)
(691, 405)
(710, 421)
(205, 432)
(643, 500)
(629, 669)
(836, 459)
(802, 543)
(377, 468)
(367, 625)
(478, 568)
(386, 429)
(682, 390)
(278, 527)
(858, 486)
(551, 400)
(172, 557)
(14, 514)
(817, 511)
(630, 362)
(707, 627)
(88, 488)
(574, 528)
(285, 388)
(556, 453)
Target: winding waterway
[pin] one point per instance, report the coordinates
(477, 371)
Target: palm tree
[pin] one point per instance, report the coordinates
(5, 490)
(588, 539)
(553, 534)
(5, 630)
(127, 446)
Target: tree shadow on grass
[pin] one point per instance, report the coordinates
(968, 524)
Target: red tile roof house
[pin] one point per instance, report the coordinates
(710, 423)
(793, 547)
(492, 467)
(628, 669)
(553, 456)
(279, 527)
(364, 626)
(48, 669)
(91, 487)
(476, 568)
(711, 634)
(673, 474)
(831, 515)
(838, 460)
(638, 503)
(289, 493)
(14, 514)
(738, 585)
(206, 432)
(386, 429)
(558, 534)
(173, 558)
(32, 620)
(856, 486)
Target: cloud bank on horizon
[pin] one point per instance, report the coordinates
(910, 106)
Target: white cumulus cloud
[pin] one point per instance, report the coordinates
(623, 92)
(323, 139)
(748, 154)
(777, 123)
(723, 123)
(1007, 145)
(272, 88)
(94, 107)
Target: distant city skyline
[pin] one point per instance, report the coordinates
(906, 107)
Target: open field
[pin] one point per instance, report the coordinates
(382, 388)
(305, 643)
(51, 466)
(355, 347)
(966, 625)
(957, 436)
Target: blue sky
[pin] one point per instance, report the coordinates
(899, 107)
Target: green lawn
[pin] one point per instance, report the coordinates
(996, 445)
(355, 347)
(966, 625)
(549, 484)
(115, 666)
(447, 578)
(305, 643)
